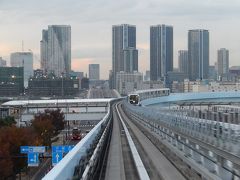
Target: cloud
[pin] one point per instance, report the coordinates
(91, 23)
(81, 64)
(143, 46)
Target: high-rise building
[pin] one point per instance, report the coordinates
(212, 73)
(198, 54)
(183, 61)
(223, 62)
(94, 72)
(44, 51)
(161, 51)
(147, 76)
(123, 38)
(130, 57)
(25, 60)
(56, 50)
(3, 63)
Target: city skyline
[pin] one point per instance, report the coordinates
(89, 47)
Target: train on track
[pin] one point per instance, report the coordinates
(136, 97)
(76, 134)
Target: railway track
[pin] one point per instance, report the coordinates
(154, 162)
(120, 164)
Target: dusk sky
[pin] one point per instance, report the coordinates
(91, 22)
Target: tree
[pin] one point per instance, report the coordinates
(6, 164)
(7, 121)
(11, 138)
(57, 119)
(44, 128)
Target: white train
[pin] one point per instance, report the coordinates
(137, 96)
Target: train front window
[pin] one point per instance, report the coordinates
(133, 99)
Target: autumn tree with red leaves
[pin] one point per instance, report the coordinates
(44, 127)
(11, 138)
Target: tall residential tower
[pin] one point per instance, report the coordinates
(94, 71)
(56, 50)
(198, 54)
(183, 61)
(123, 49)
(223, 62)
(161, 51)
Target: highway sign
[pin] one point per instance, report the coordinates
(57, 149)
(32, 149)
(56, 157)
(33, 159)
(62, 149)
(24, 149)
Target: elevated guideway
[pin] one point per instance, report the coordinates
(84, 159)
(169, 143)
(231, 96)
(73, 109)
(212, 148)
(154, 164)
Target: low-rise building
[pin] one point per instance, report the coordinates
(127, 82)
(130, 82)
(11, 81)
(53, 86)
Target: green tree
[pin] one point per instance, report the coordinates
(7, 121)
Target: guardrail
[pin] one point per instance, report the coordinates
(185, 137)
(142, 172)
(66, 167)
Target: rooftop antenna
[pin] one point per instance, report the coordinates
(22, 46)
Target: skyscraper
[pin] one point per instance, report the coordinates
(56, 50)
(223, 62)
(123, 38)
(130, 58)
(161, 51)
(44, 51)
(94, 72)
(25, 60)
(198, 54)
(183, 61)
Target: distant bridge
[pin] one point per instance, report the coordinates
(73, 109)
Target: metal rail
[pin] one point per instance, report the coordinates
(188, 140)
(78, 155)
(142, 172)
